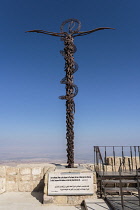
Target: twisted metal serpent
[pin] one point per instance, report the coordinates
(71, 67)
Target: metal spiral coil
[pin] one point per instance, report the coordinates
(70, 65)
(71, 25)
(71, 91)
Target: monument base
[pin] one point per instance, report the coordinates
(69, 186)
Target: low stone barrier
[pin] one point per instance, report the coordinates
(2, 179)
(128, 163)
(23, 178)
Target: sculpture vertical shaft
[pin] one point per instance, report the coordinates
(69, 63)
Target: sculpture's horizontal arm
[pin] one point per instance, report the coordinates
(48, 33)
(91, 31)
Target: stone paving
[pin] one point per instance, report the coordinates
(96, 204)
(28, 201)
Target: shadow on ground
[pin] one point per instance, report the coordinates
(38, 191)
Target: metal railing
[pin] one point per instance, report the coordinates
(138, 184)
(121, 160)
(121, 189)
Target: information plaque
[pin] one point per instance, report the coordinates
(70, 183)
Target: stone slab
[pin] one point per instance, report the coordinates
(75, 183)
(78, 168)
(96, 204)
(28, 201)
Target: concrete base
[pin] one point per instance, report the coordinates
(68, 199)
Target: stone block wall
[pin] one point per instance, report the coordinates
(23, 178)
(2, 179)
(128, 163)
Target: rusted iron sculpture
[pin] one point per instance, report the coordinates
(71, 67)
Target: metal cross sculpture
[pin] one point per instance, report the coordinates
(71, 67)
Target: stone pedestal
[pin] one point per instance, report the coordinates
(69, 186)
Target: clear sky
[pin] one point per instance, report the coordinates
(31, 67)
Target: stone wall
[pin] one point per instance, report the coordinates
(128, 164)
(23, 178)
(2, 179)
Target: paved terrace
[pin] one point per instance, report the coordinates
(28, 201)
(33, 201)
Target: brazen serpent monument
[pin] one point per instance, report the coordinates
(71, 67)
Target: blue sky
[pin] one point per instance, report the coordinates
(31, 67)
